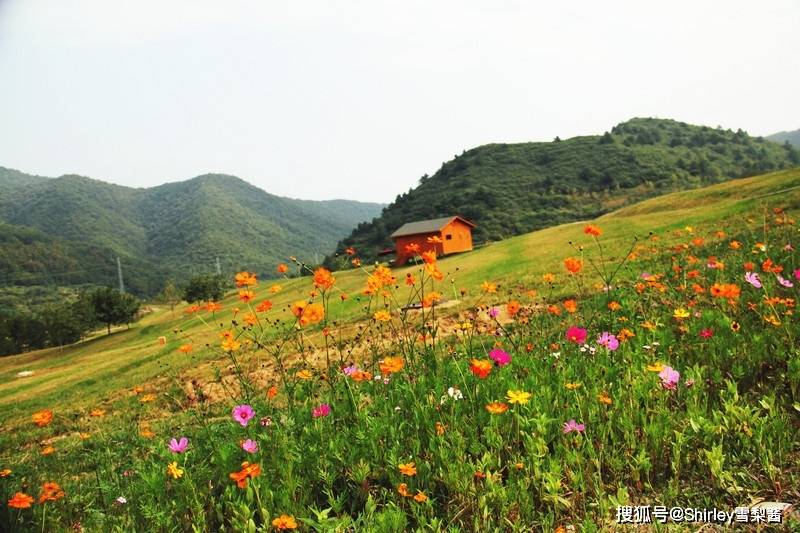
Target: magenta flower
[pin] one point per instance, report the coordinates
(323, 410)
(576, 335)
(500, 357)
(571, 426)
(243, 414)
(797, 274)
(783, 281)
(753, 279)
(250, 446)
(178, 446)
(494, 311)
(706, 333)
(669, 378)
(608, 340)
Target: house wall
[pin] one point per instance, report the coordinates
(461, 237)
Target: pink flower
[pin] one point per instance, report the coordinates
(250, 446)
(178, 446)
(797, 274)
(494, 311)
(573, 426)
(350, 370)
(323, 410)
(783, 281)
(669, 378)
(753, 279)
(576, 335)
(500, 357)
(608, 340)
(706, 333)
(243, 414)
(789, 248)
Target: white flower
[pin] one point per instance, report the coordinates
(455, 393)
(122, 500)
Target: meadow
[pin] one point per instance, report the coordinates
(647, 357)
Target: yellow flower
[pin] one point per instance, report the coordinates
(488, 287)
(174, 470)
(275, 289)
(147, 398)
(230, 345)
(648, 325)
(681, 313)
(518, 396)
(284, 521)
(603, 397)
(572, 386)
(382, 316)
(303, 374)
(655, 367)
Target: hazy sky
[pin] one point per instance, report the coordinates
(358, 99)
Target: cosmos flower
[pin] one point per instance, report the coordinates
(321, 410)
(706, 333)
(571, 426)
(669, 378)
(407, 469)
(783, 281)
(250, 446)
(178, 446)
(608, 340)
(753, 279)
(243, 414)
(174, 470)
(576, 335)
(500, 357)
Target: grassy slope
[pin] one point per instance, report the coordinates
(84, 374)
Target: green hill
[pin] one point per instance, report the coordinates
(69, 230)
(791, 137)
(509, 189)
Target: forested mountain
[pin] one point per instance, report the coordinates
(792, 137)
(508, 189)
(69, 230)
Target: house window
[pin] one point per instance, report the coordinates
(448, 237)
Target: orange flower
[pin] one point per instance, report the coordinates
(430, 299)
(429, 257)
(420, 497)
(42, 418)
(480, 367)
(250, 319)
(147, 433)
(312, 314)
(272, 392)
(284, 521)
(573, 265)
(323, 279)
(264, 306)
(213, 306)
(48, 450)
(185, 348)
(275, 289)
(487, 287)
(282, 268)
(407, 469)
(412, 248)
(625, 334)
(571, 306)
(497, 408)
(730, 291)
(554, 310)
(350, 250)
(513, 307)
(614, 306)
(51, 492)
(361, 375)
(434, 272)
(402, 489)
(248, 470)
(592, 230)
(20, 500)
(548, 278)
(298, 307)
(5, 472)
(390, 365)
(604, 398)
(246, 295)
(434, 240)
(735, 245)
(192, 309)
(303, 374)
(245, 279)
(410, 281)
(97, 413)
(440, 428)
(356, 262)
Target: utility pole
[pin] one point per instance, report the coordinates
(219, 269)
(119, 272)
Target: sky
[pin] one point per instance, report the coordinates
(358, 99)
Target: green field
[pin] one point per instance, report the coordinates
(655, 448)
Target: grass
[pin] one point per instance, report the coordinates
(729, 436)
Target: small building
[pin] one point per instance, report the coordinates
(445, 235)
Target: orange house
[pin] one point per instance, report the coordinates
(445, 235)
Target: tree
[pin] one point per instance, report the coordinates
(65, 323)
(170, 295)
(113, 307)
(204, 288)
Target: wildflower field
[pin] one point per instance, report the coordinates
(649, 357)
